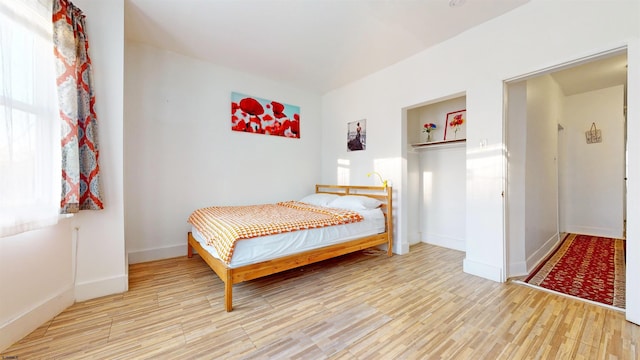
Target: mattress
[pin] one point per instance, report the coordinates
(254, 250)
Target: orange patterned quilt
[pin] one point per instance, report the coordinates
(222, 226)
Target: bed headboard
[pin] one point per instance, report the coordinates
(378, 192)
(384, 194)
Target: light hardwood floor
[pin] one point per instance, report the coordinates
(360, 306)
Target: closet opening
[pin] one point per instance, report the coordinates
(436, 172)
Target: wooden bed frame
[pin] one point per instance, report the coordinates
(236, 275)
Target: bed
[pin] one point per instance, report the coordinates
(346, 241)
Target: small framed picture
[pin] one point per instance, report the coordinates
(456, 126)
(357, 135)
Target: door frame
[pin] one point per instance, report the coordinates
(507, 242)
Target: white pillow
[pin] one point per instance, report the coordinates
(355, 202)
(319, 199)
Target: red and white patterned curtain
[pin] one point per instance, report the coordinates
(76, 100)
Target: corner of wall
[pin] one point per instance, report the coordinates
(25, 323)
(102, 287)
(165, 252)
(539, 255)
(483, 270)
(402, 248)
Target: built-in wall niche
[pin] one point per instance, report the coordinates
(436, 177)
(448, 117)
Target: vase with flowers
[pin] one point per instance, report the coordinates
(455, 123)
(428, 128)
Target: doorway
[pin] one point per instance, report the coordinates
(556, 182)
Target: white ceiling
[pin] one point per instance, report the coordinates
(323, 44)
(317, 45)
(596, 74)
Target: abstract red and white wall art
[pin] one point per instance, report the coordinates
(260, 116)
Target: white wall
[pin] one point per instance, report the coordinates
(533, 171)
(476, 62)
(532, 143)
(36, 278)
(516, 123)
(633, 185)
(102, 266)
(36, 268)
(443, 205)
(544, 111)
(594, 172)
(182, 155)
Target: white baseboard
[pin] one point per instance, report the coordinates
(166, 252)
(518, 269)
(401, 248)
(19, 327)
(445, 241)
(102, 287)
(539, 255)
(483, 270)
(523, 268)
(415, 238)
(595, 231)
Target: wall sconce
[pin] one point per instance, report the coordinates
(384, 182)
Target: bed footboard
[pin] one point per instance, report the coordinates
(232, 276)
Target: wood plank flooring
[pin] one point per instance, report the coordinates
(359, 306)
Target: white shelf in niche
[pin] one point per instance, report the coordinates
(439, 144)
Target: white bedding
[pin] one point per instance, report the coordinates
(250, 251)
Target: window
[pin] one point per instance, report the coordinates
(29, 129)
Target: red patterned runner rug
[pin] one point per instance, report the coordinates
(585, 266)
